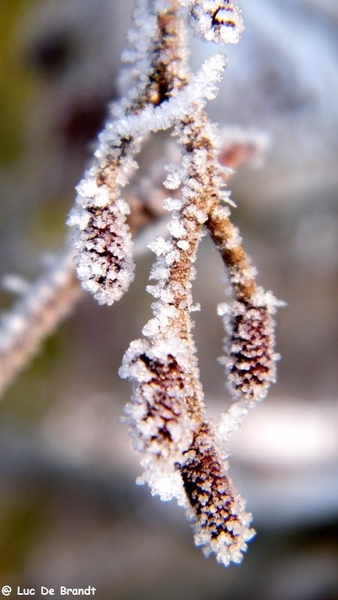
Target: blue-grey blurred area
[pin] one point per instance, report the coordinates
(70, 513)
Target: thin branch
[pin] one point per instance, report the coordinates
(44, 305)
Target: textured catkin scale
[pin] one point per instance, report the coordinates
(251, 359)
(216, 509)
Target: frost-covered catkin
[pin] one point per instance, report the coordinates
(248, 320)
(160, 424)
(250, 358)
(102, 239)
(179, 449)
(101, 236)
(216, 509)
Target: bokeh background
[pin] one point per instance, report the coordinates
(70, 513)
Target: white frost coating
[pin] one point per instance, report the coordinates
(171, 204)
(174, 178)
(225, 196)
(202, 87)
(183, 245)
(263, 298)
(176, 228)
(152, 328)
(163, 482)
(224, 549)
(223, 546)
(234, 240)
(159, 271)
(160, 246)
(223, 309)
(232, 419)
(171, 257)
(90, 194)
(164, 320)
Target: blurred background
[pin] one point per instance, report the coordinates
(70, 513)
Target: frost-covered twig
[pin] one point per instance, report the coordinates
(166, 415)
(104, 259)
(173, 432)
(42, 307)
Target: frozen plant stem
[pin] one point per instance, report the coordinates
(166, 415)
(41, 308)
(180, 450)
